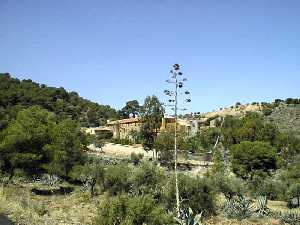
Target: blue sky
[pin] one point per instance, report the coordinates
(118, 50)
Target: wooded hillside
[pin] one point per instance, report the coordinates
(16, 95)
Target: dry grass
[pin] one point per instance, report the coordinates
(23, 207)
(219, 220)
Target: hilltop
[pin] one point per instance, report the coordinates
(285, 114)
(16, 95)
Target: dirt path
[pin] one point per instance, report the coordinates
(122, 151)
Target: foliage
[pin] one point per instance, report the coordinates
(290, 218)
(188, 217)
(247, 158)
(48, 179)
(219, 164)
(90, 174)
(36, 142)
(238, 208)
(136, 137)
(230, 186)
(192, 144)
(294, 192)
(152, 113)
(16, 95)
(117, 179)
(136, 158)
(124, 210)
(271, 188)
(121, 141)
(148, 179)
(132, 108)
(208, 137)
(195, 192)
(289, 146)
(65, 149)
(164, 146)
(262, 206)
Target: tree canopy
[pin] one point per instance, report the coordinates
(132, 108)
(248, 158)
(152, 114)
(16, 95)
(36, 141)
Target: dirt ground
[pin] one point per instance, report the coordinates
(124, 151)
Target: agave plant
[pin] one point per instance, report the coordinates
(291, 218)
(47, 179)
(239, 208)
(262, 206)
(188, 217)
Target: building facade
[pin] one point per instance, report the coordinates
(123, 129)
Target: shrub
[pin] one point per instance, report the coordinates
(230, 186)
(195, 193)
(91, 174)
(148, 179)
(290, 218)
(124, 210)
(267, 111)
(117, 179)
(136, 158)
(294, 192)
(271, 188)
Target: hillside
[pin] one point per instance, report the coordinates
(285, 114)
(16, 95)
(286, 117)
(237, 110)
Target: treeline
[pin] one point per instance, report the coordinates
(16, 95)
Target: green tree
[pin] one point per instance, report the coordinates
(230, 186)
(16, 95)
(131, 108)
(65, 149)
(91, 173)
(219, 164)
(152, 113)
(164, 146)
(248, 158)
(35, 142)
(24, 140)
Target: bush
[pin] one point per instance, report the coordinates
(294, 192)
(230, 186)
(148, 179)
(195, 193)
(122, 141)
(90, 174)
(271, 188)
(124, 210)
(136, 158)
(267, 111)
(117, 179)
